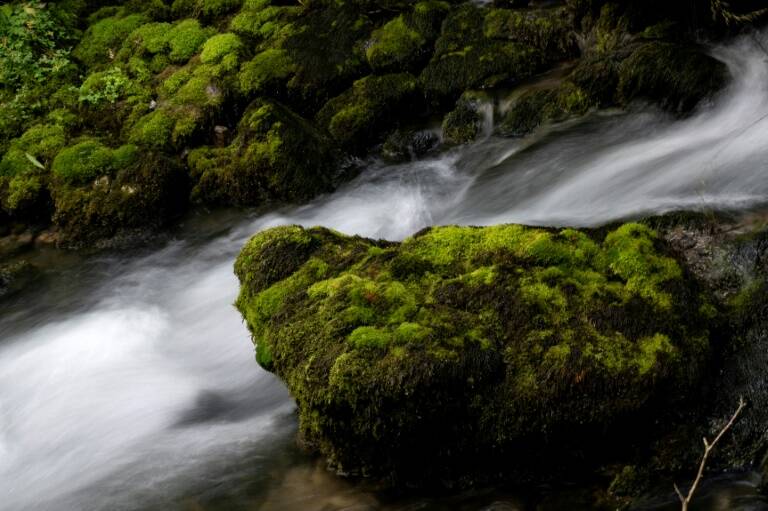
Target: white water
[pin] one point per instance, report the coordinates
(142, 388)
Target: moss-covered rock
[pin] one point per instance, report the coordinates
(403, 144)
(464, 123)
(471, 350)
(549, 30)
(327, 47)
(539, 106)
(275, 155)
(406, 40)
(677, 77)
(465, 58)
(372, 104)
(139, 194)
(104, 38)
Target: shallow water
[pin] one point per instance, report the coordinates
(127, 381)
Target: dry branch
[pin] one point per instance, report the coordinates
(686, 499)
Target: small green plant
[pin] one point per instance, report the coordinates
(104, 87)
(35, 43)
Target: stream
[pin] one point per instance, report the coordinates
(128, 380)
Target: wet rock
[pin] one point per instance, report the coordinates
(16, 276)
(466, 352)
(464, 123)
(370, 106)
(539, 106)
(276, 154)
(404, 145)
(143, 195)
(677, 77)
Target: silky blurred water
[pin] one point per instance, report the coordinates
(127, 381)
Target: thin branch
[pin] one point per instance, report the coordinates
(719, 11)
(685, 500)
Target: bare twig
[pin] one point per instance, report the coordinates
(719, 11)
(685, 500)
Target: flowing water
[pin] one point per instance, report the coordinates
(127, 381)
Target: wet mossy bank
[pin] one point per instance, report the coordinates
(119, 116)
(464, 355)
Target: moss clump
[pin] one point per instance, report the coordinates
(518, 338)
(677, 77)
(463, 124)
(221, 47)
(104, 38)
(549, 30)
(139, 193)
(276, 154)
(206, 9)
(540, 106)
(89, 159)
(35, 148)
(394, 46)
(267, 72)
(185, 39)
(373, 103)
(465, 58)
(261, 21)
(327, 47)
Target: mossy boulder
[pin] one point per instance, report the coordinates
(465, 58)
(276, 155)
(24, 171)
(472, 351)
(540, 106)
(371, 105)
(139, 194)
(677, 77)
(549, 30)
(464, 123)
(405, 41)
(406, 144)
(327, 47)
(104, 38)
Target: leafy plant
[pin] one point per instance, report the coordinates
(35, 43)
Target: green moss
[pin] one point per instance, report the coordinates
(394, 46)
(150, 38)
(677, 77)
(204, 8)
(465, 58)
(24, 192)
(462, 125)
(264, 22)
(322, 74)
(220, 47)
(37, 146)
(82, 162)
(266, 71)
(631, 255)
(104, 38)
(145, 194)
(549, 30)
(510, 331)
(275, 155)
(185, 39)
(369, 337)
(153, 130)
(541, 106)
(370, 105)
